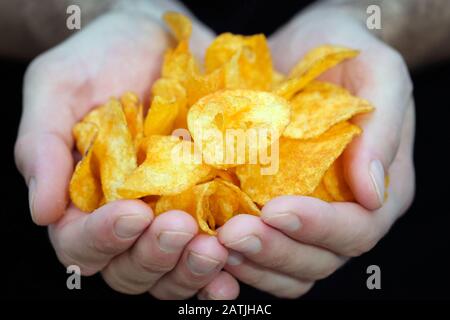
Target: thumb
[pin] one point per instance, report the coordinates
(388, 87)
(44, 143)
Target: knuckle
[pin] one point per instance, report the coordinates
(120, 285)
(150, 264)
(363, 245)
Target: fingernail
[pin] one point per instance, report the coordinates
(234, 258)
(200, 264)
(173, 241)
(31, 193)
(248, 244)
(286, 221)
(377, 176)
(130, 226)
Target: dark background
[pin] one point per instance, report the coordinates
(414, 257)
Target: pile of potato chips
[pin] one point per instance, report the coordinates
(127, 156)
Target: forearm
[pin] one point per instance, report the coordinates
(30, 27)
(419, 30)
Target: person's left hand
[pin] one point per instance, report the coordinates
(299, 240)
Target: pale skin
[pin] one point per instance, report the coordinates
(297, 241)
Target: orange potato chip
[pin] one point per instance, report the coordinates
(161, 116)
(133, 111)
(215, 120)
(302, 164)
(169, 168)
(313, 64)
(85, 188)
(113, 147)
(320, 106)
(211, 203)
(84, 133)
(253, 57)
(334, 182)
(179, 24)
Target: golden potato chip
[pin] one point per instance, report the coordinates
(302, 164)
(113, 147)
(313, 64)
(253, 57)
(168, 110)
(84, 133)
(211, 203)
(85, 188)
(228, 175)
(320, 106)
(179, 24)
(133, 111)
(277, 78)
(321, 193)
(224, 123)
(169, 168)
(161, 116)
(334, 182)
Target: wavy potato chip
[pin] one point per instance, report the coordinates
(113, 147)
(133, 110)
(302, 164)
(85, 189)
(84, 134)
(211, 203)
(253, 59)
(165, 170)
(320, 106)
(334, 182)
(217, 119)
(313, 64)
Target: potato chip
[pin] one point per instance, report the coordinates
(113, 147)
(334, 182)
(315, 62)
(133, 110)
(211, 203)
(169, 168)
(84, 133)
(215, 120)
(85, 188)
(161, 116)
(168, 109)
(302, 164)
(320, 106)
(253, 57)
(179, 24)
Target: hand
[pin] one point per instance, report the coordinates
(120, 51)
(301, 239)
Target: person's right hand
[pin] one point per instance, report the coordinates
(136, 252)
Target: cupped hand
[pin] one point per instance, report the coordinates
(299, 240)
(135, 251)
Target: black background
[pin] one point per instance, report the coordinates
(414, 257)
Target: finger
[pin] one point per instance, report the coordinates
(222, 287)
(155, 253)
(347, 228)
(44, 144)
(201, 261)
(272, 249)
(91, 240)
(264, 279)
(369, 156)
